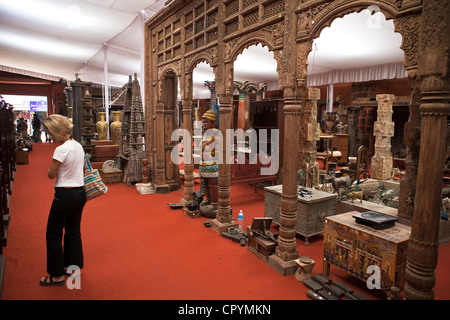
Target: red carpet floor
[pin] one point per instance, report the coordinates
(136, 247)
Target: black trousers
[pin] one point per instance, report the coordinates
(65, 218)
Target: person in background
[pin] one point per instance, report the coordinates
(67, 167)
(36, 129)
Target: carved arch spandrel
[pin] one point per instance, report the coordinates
(409, 28)
(312, 19)
(269, 37)
(208, 56)
(236, 46)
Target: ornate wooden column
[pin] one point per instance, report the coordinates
(293, 57)
(188, 163)
(409, 27)
(411, 137)
(433, 69)
(283, 261)
(383, 130)
(309, 132)
(77, 88)
(352, 122)
(160, 177)
(223, 219)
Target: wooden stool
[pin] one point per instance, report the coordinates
(305, 265)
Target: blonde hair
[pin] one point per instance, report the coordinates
(58, 125)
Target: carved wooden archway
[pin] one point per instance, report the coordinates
(183, 29)
(166, 173)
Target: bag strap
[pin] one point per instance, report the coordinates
(87, 162)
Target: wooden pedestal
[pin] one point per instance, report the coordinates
(354, 247)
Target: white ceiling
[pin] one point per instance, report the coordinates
(64, 37)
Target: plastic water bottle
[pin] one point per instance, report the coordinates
(241, 220)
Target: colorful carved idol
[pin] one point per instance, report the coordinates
(209, 168)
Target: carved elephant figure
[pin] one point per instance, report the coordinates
(355, 194)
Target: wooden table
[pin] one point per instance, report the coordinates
(311, 211)
(353, 247)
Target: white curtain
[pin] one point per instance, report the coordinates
(379, 72)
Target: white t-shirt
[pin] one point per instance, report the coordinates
(71, 172)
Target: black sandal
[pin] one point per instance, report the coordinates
(48, 281)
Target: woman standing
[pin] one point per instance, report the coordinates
(65, 214)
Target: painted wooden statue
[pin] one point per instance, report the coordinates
(209, 168)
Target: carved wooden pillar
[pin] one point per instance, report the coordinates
(212, 87)
(283, 261)
(433, 69)
(352, 122)
(411, 138)
(409, 27)
(160, 175)
(224, 88)
(383, 131)
(188, 163)
(223, 219)
(309, 130)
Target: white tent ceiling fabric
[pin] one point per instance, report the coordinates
(361, 74)
(60, 38)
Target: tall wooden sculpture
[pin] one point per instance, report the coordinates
(383, 131)
(88, 122)
(131, 149)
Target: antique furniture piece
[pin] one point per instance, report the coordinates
(111, 175)
(326, 152)
(340, 142)
(260, 240)
(311, 211)
(354, 247)
(21, 157)
(362, 165)
(251, 173)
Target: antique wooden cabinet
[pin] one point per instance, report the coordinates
(311, 210)
(353, 247)
(340, 143)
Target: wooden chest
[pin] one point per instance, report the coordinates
(354, 247)
(263, 248)
(111, 176)
(311, 211)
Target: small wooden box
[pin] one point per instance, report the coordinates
(259, 245)
(263, 248)
(353, 247)
(22, 157)
(111, 176)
